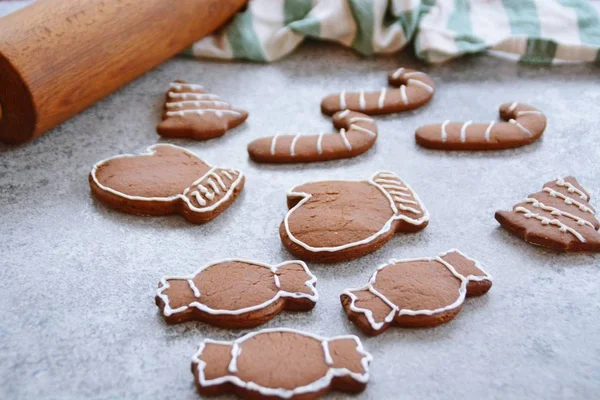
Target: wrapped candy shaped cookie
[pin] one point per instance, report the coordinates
(237, 293)
(281, 364)
(338, 220)
(166, 180)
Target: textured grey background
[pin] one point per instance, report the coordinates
(77, 280)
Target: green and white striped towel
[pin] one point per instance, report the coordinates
(533, 31)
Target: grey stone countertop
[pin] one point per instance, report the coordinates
(78, 279)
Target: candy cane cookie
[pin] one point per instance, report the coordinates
(190, 112)
(357, 134)
(411, 89)
(525, 124)
(165, 180)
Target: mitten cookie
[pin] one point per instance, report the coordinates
(237, 293)
(559, 217)
(281, 364)
(420, 292)
(192, 113)
(414, 89)
(357, 134)
(166, 180)
(333, 221)
(525, 125)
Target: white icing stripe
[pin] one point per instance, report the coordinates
(444, 134)
(394, 187)
(273, 143)
(343, 100)
(407, 208)
(488, 131)
(313, 387)
(328, 359)
(219, 112)
(310, 284)
(359, 119)
(571, 188)
(228, 175)
(557, 212)
(547, 221)
(320, 143)
(519, 113)
(521, 127)
(193, 96)
(235, 353)
(392, 182)
(188, 202)
(419, 83)
(403, 94)
(568, 200)
(345, 139)
(188, 86)
(387, 175)
(399, 200)
(463, 131)
(214, 186)
(361, 100)
(387, 226)
(276, 281)
(397, 73)
(194, 288)
(198, 198)
(381, 101)
(512, 107)
(293, 145)
(344, 113)
(360, 128)
(395, 310)
(196, 103)
(219, 181)
(396, 193)
(415, 73)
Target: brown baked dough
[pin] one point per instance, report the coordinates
(525, 125)
(414, 89)
(332, 221)
(237, 293)
(415, 293)
(559, 217)
(166, 180)
(281, 364)
(358, 133)
(192, 113)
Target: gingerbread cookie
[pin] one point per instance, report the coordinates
(357, 134)
(525, 125)
(192, 113)
(420, 292)
(281, 364)
(415, 89)
(166, 180)
(559, 217)
(237, 293)
(340, 220)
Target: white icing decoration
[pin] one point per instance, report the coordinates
(320, 143)
(488, 131)
(381, 101)
(365, 130)
(214, 186)
(361, 100)
(219, 181)
(194, 288)
(201, 111)
(414, 73)
(196, 103)
(395, 310)
(568, 200)
(397, 73)
(387, 226)
(345, 139)
(312, 387)
(273, 143)
(193, 96)
(403, 94)
(182, 197)
(527, 213)
(571, 188)
(519, 113)
(293, 145)
(512, 107)
(383, 181)
(343, 100)
(419, 83)
(328, 359)
(182, 86)
(359, 119)
(228, 175)
(198, 197)
(444, 134)
(344, 113)
(557, 212)
(521, 127)
(276, 280)
(463, 131)
(310, 284)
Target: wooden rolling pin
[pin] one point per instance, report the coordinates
(58, 57)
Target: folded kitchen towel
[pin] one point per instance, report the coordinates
(533, 31)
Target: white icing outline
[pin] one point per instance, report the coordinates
(167, 311)
(150, 151)
(312, 387)
(387, 226)
(396, 311)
